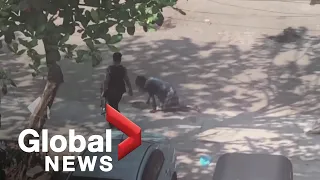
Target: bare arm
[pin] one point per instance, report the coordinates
(105, 82)
(127, 81)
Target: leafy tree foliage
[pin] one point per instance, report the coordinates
(38, 20)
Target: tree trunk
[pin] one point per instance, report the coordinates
(54, 79)
(38, 118)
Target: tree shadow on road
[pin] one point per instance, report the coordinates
(219, 78)
(238, 91)
(272, 88)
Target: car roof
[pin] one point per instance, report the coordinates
(146, 137)
(125, 169)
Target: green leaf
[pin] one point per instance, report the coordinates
(111, 23)
(78, 59)
(124, 14)
(151, 28)
(69, 28)
(4, 14)
(15, 47)
(72, 47)
(160, 19)
(148, 10)
(40, 36)
(63, 50)
(84, 35)
(80, 30)
(155, 10)
(152, 18)
(10, 48)
(32, 53)
(68, 55)
(96, 41)
(41, 56)
(33, 43)
(84, 21)
(96, 59)
(74, 3)
(145, 28)
(107, 4)
(131, 30)
(120, 28)
(9, 36)
(23, 5)
(92, 3)
(115, 39)
(95, 16)
(113, 48)
(170, 3)
(128, 23)
(4, 28)
(106, 37)
(21, 52)
(41, 28)
(24, 42)
(80, 53)
(64, 39)
(89, 43)
(102, 13)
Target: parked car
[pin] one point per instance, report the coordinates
(253, 167)
(155, 159)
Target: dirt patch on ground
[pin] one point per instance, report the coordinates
(288, 35)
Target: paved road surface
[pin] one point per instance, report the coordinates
(256, 95)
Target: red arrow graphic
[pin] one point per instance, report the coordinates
(126, 126)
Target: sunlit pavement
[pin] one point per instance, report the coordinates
(251, 93)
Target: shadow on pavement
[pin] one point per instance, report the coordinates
(253, 100)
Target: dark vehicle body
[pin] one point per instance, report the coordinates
(238, 166)
(155, 159)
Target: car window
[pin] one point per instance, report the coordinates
(153, 166)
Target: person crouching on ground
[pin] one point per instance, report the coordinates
(158, 88)
(115, 82)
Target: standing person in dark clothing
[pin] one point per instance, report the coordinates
(115, 82)
(155, 87)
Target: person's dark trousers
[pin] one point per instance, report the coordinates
(2, 174)
(114, 100)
